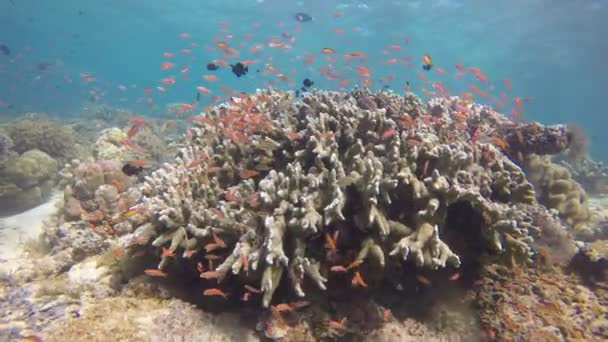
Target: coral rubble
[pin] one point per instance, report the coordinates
(282, 189)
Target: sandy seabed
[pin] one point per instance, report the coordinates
(16, 229)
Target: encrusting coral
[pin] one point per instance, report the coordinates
(277, 188)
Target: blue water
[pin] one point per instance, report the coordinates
(554, 52)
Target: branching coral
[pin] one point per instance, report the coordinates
(277, 188)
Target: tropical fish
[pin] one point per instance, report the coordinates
(215, 292)
(302, 17)
(427, 62)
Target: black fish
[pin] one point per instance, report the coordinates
(212, 67)
(80, 12)
(43, 66)
(302, 17)
(239, 69)
(130, 170)
(5, 50)
(198, 97)
(297, 93)
(427, 67)
(308, 83)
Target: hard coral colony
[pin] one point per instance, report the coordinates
(325, 167)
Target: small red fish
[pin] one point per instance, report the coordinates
(247, 173)
(215, 292)
(156, 273)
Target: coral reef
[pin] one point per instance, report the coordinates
(108, 146)
(52, 137)
(282, 189)
(556, 189)
(114, 144)
(96, 187)
(26, 180)
(6, 145)
(591, 175)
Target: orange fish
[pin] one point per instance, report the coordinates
(166, 65)
(156, 273)
(203, 89)
(517, 102)
(282, 307)
(129, 212)
(427, 60)
(355, 54)
(338, 268)
(210, 275)
(363, 71)
(215, 292)
(219, 241)
(354, 264)
(499, 142)
(337, 324)
(251, 289)
(454, 276)
(328, 51)
(358, 280)
(210, 78)
(424, 280)
(247, 173)
(167, 252)
(221, 45)
(388, 133)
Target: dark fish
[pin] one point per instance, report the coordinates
(212, 67)
(427, 67)
(131, 170)
(302, 17)
(308, 83)
(239, 69)
(80, 12)
(297, 93)
(43, 66)
(5, 50)
(198, 97)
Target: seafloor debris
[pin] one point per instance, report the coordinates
(267, 187)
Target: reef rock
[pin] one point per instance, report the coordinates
(108, 146)
(52, 137)
(557, 190)
(355, 183)
(26, 181)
